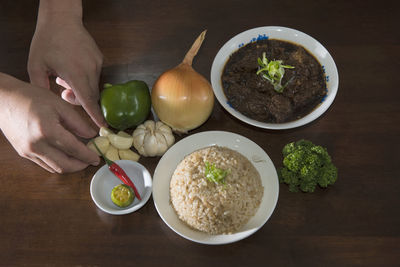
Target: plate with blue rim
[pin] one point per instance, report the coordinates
(284, 34)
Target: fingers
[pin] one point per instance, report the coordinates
(41, 164)
(87, 94)
(60, 162)
(73, 122)
(58, 150)
(54, 160)
(61, 152)
(69, 144)
(69, 96)
(63, 83)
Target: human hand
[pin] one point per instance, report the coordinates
(61, 46)
(42, 127)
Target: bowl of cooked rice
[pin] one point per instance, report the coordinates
(215, 187)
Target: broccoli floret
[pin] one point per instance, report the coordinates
(308, 186)
(328, 175)
(305, 165)
(304, 144)
(290, 178)
(288, 148)
(323, 152)
(294, 160)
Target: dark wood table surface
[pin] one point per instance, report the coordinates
(49, 219)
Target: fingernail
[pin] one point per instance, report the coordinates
(96, 163)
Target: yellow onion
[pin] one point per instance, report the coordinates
(182, 98)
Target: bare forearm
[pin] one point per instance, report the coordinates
(5, 87)
(9, 97)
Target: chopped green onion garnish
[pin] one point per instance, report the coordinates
(214, 174)
(273, 71)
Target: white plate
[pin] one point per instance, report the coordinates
(246, 147)
(104, 181)
(286, 34)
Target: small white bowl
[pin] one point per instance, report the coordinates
(285, 34)
(104, 181)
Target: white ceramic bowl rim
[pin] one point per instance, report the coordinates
(286, 34)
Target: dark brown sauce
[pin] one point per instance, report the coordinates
(255, 97)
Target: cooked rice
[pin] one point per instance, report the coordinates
(210, 207)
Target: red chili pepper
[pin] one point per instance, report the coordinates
(119, 172)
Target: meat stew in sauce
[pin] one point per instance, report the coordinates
(255, 97)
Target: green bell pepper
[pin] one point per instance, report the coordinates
(125, 105)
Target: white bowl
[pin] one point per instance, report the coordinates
(285, 34)
(167, 165)
(104, 181)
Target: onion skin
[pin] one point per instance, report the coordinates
(188, 104)
(182, 98)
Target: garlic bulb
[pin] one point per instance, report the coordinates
(152, 138)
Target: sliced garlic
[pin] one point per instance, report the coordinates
(124, 134)
(152, 138)
(120, 142)
(112, 153)
(102, 143)
(128, 154)
(105, 131)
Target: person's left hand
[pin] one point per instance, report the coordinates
(64, 48)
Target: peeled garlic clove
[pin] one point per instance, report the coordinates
(123, 134)
(112, 153)
(120, 142)
(105, 131)
(102, 143)
(128, 154)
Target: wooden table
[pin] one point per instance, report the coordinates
(50, 220)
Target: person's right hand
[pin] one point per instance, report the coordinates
(61, 46)
(43, 128)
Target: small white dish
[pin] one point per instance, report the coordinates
(174, 155)
(285, 34)
(104, 181)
